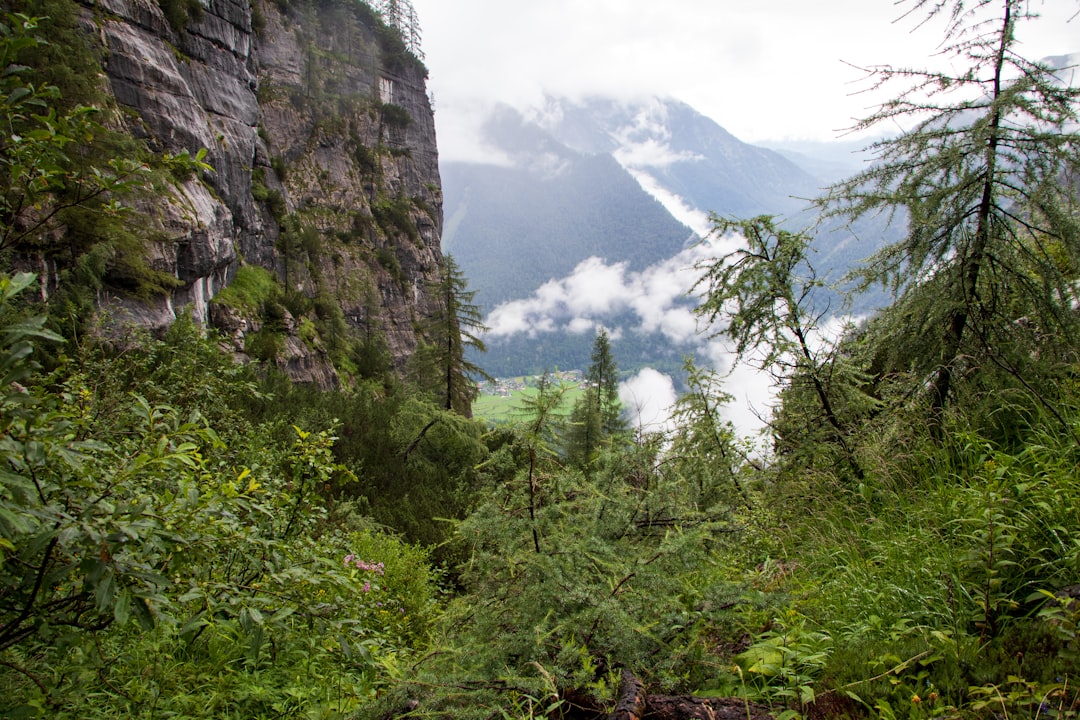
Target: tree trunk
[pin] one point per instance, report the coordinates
(688, 707)
(971, 265)
(631, 705)
(634, 704)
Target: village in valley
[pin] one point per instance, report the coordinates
(507, 387)
(499, 400)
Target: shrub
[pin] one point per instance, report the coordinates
(395, 116)
(250, 290)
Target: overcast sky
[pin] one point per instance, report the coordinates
(763, 69)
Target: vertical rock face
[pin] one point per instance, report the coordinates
(325, 170)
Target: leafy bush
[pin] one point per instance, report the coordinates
(394, 216)
(144, 557)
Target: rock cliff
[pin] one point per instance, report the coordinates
(317, 124)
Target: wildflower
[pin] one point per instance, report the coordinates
(366, 587)
(916, 699)
(933, 696)
(348, 559)
(376, 568)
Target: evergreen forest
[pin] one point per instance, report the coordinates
(183, 536)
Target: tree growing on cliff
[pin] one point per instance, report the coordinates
(66, 179)
(986, 176)
(401, 15)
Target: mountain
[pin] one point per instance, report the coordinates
(629, 185)
(514, 226)
(685, 153)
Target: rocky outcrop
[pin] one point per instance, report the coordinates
(321, 137)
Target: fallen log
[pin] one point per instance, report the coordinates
(631, 702)
(634, 704)
(688, 707)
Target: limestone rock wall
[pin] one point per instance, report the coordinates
(325, 167)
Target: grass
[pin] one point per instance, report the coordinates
(250, 289)
(499, 409)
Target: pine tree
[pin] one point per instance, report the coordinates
(987, 179)
(401, 15)
(597, 415)
(603, 377)
(440, 364)
(763, 293)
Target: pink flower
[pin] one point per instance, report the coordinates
(366, 587)
(371, 567)
(349, 559)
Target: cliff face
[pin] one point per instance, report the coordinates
(325, 171)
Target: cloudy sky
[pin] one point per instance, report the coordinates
(764, 70)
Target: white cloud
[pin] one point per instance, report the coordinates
(645, 142)
(651, 153)
(459, 132)
(648, 397)
(580, 326)
(682, 211)
(657, 297)
(597, 290)
(760, 69)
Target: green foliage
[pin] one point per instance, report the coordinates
(394, 115)
(145, 555)
(394, 217)
(414, 462)
(66, 178)
(441, 364)
(762, 296)
(174, 542)
(785, 661)
(586, 575)
(180, 12)
(597, 416)
(396, 54)
(251, 288)
(936, 581)
(704, 443)
(256, 293)
(275, 202)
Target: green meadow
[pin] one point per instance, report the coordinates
(499, 409)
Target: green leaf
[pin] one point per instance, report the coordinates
(122, 606)
(143, 613)
(105, 590)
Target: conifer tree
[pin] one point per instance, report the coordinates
(441, 364)
(401, 15)
(986, 177)
(763, 292)
(597, 415)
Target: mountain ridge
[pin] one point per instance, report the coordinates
(546, 204)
